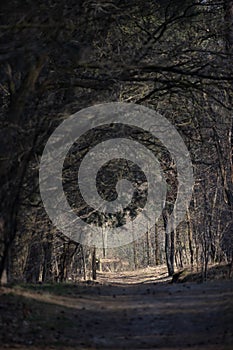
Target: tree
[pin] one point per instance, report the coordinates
(60, 57)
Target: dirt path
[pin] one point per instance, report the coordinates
(133, 311)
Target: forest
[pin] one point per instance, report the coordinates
(170, 57)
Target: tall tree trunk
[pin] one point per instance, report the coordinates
(83, 263)
(229, 25)
(12, 175)
(229, 50)
(169, 243)
(47, 263)
(148, 246)
(94, 263)
(135, 254)
(156, 250)
(9, 205)
(190, 238)
(33, 263)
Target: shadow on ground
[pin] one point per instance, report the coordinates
(118, 316)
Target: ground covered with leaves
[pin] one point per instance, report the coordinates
(134, 310)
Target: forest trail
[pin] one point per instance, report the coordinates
(133, 310)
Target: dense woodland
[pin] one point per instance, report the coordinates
(57, 57)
